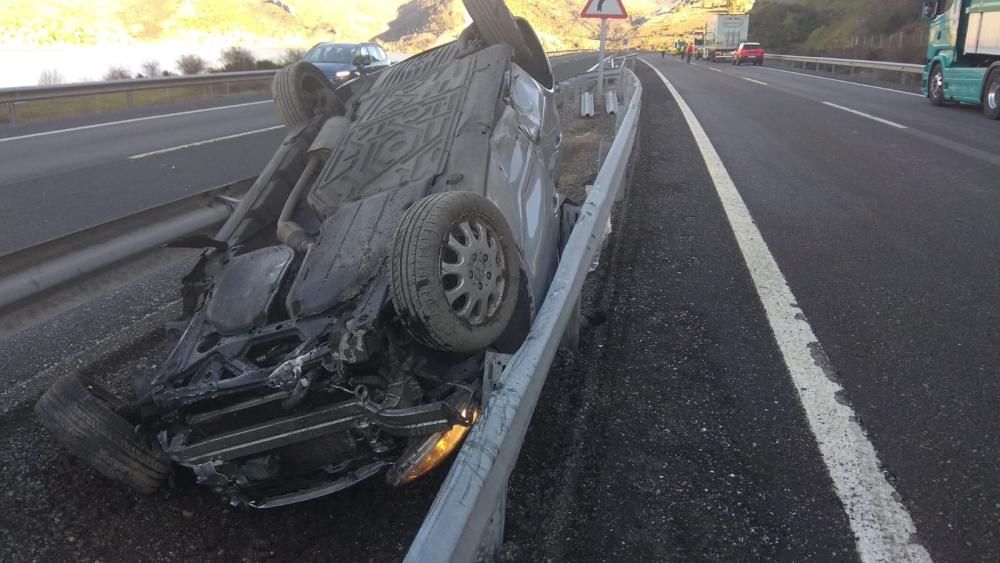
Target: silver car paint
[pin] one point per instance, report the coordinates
(524, 161)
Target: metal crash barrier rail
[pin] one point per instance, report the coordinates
(465, 522)
(853, 65)
(31, 271)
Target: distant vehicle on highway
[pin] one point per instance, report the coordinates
(341, 62)
(963, 53)
(723, 34)
(752, 53)
(337, 326)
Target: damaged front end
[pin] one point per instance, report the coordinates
(271, 411)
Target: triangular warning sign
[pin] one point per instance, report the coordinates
(612, 9)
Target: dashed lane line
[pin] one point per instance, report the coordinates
(205, 142)
(883, 529)
(869, 116)
(844, 82)
(754, 81)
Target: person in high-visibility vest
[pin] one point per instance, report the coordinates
(690, 51)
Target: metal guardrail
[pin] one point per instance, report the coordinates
(12, 96)
(27, 273)
(905, 68)
(465, 522)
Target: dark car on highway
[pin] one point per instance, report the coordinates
(341, 62)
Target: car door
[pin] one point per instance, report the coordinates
(362, 59)
(378, 58)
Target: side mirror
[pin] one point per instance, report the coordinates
(929, 10)
(362, 60)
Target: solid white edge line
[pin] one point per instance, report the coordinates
(205, 142)
(869, 116)
(882, 527)
(843, 81)
(715, 69)
(126, 121)
(754, 81)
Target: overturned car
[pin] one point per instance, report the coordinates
(336, 326)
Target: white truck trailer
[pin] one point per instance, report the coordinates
(723, 34)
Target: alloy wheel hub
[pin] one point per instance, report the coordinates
(473, 271)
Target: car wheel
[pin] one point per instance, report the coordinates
(991, 95)
(300, 91)
(538, 65)
(455, 272)
(935, 86)
(496, 24)
(82, 416)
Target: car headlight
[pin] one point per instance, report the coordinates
(343, 74)
(421, 458)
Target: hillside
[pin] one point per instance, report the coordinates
(886, 29)
(402, 25)
(681, 19)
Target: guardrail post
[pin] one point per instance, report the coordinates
(492, 540)
(227, 88)
(571, 338)
(128, 98)
(12, 112)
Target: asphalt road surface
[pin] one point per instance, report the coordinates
(59, 177)
(692, 435)
(686, 428)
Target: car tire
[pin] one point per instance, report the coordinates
(496, 25)
(935, 86)
(300, 91)
(455, 272)
(538, 66)
(83, 418)
(991, 95)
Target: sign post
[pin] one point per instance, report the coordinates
(605, 10)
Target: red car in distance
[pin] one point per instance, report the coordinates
(749, 53)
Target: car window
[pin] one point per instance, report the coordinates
(751, 45)
(373, 53)
(330, 53)
(381, 54)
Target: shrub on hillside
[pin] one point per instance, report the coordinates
(292, 55)
(237, 59)
(151, 68)
(117, 73)
(191, 64)
(50, 78)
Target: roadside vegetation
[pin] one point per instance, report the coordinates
(859, 29)
(89, 105)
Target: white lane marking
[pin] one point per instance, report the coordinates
(754, 81)
(205, 142)
(869, 116)
(125, 121)
(845, 82)
(883, 529)
(715, 69)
